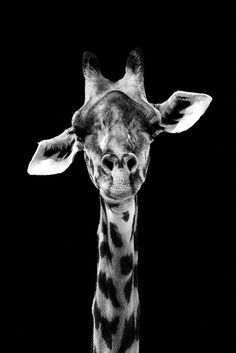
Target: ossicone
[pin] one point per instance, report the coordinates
(90, 64)
(134, 62)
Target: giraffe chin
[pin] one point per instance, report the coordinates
(117, 195)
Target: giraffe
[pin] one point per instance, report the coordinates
(115, 128)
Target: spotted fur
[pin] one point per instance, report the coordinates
(107, 327)
(115, 128)
(115, 235)
(126, 264)
(117, 125)
(116, 298)
(126, 216)
(129, 334)
(128, 289)
(108, 288)
(105, 251)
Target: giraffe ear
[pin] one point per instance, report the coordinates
(55, 155)
(182, 110)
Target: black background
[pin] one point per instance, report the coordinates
(184, 266)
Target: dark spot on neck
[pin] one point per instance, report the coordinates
(96, 315)
(128, 336)
(115, 235)
(128, 289)
(126, 216)
(108, 328)
(126, 264)
(105, 250)
(108, 288)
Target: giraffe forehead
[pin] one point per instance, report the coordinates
(118, 110)
(116, 122)
(114, 107)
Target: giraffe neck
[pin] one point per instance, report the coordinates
(116, 303)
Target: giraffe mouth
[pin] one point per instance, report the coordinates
(116, 192)
(119, 192)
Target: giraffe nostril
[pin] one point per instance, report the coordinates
(132, 163)
(108, 162)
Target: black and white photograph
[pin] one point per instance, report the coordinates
(119, 191)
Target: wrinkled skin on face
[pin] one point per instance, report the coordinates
(115, 126)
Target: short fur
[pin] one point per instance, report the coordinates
(115, 128)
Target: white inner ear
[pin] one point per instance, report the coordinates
(191, 114)
(43, 165)
(50, 165)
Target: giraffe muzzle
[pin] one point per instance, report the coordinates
(126, 161)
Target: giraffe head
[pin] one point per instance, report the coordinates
(115, 128)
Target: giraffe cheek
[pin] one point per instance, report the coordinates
(136, 181)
